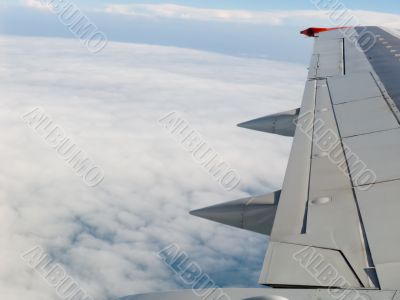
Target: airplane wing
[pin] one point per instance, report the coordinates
(335, 221)
(341, 190)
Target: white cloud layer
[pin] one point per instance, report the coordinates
(36, 4)
(206, 14)
(106, 237)
(320, 16)
(311, 17)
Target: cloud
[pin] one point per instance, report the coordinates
(245, 39)
(378, 19)
(245, 33)
(272, 17)
(316, 17)
(106, 237)
(206, 14)
(36, 4)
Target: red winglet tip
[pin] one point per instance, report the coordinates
(313, 31)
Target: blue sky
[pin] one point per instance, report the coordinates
(389, 6)
(383, 6)
(271, 31)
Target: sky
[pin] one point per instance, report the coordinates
(216, 64)
(258, 29)
(384, 6)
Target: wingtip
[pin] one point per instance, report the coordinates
(313, 31)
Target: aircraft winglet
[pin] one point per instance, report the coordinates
(313, 31)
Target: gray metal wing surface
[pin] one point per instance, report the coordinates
(335, 222)
(341, 190)
(339, 197)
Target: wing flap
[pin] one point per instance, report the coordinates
(353, 87)
(372, 115)
(309, 266)
(380, 208)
